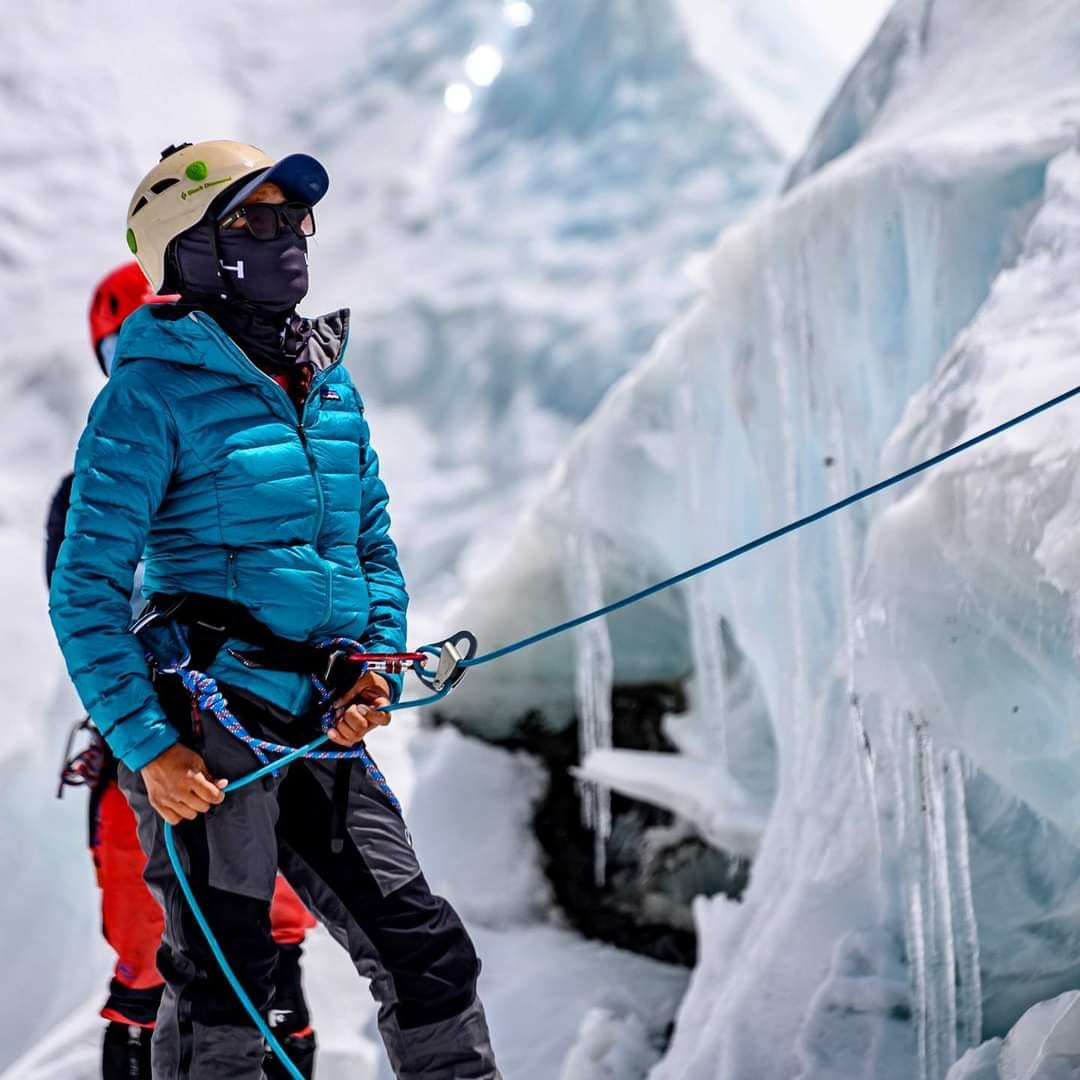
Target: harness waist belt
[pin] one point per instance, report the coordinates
(211, 621)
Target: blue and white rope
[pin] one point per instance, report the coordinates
(208, 698)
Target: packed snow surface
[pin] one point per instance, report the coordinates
(541, 983)
(897, 684)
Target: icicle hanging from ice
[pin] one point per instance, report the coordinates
(707, 645)
(942, 936)
(707, 649)
(941, 967)
(909, 797)
(593, 673)
(969, 976)
(929, 908)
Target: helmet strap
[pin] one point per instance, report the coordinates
(226, 290)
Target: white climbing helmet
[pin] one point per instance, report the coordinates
(177, 192)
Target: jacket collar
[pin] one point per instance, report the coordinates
(181, 335)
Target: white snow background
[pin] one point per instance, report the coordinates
(881, 706)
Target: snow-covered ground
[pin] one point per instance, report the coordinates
(507, 264)
(910, 667)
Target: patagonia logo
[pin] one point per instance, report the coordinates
(329, 395)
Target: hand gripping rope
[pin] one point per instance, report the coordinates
(458, 653)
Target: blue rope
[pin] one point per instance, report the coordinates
(768, 538)
(219, 956)
(216, 703)
(207, 696)
(305, 751)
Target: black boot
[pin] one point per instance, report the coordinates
(301, 1051)
(289, 1017)
(126, 1053)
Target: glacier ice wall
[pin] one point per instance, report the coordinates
(914, 285)
(991, 538)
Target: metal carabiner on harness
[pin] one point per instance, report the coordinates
(388, 663)
(162, 638)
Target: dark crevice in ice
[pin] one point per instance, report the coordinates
(656, 864)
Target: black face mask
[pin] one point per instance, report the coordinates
(269, 274)
(272, 273)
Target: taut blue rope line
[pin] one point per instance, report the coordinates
(768, 538)
(312, 747)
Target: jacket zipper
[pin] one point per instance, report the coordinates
(298, 422)
(320, 508)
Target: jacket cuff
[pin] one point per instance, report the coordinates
(397, 682)
(137, 757)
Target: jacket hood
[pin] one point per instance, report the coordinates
(180, 334)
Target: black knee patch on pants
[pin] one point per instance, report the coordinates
(436, 978)
(418, 936)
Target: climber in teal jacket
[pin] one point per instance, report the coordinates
(230, 453)
(199, 463)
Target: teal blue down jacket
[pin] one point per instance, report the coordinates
(197, 462)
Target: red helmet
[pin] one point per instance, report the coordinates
(115, 298)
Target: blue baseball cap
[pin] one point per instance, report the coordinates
(300, 176)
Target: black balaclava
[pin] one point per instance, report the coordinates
(250, 287)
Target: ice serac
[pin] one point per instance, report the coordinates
(913, 659)
(974, 572)
(773, 57)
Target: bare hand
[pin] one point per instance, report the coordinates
(179, 785)
(357, 711)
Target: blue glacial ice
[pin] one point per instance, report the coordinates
(912, 663)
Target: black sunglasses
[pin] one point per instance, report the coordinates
(265, 220)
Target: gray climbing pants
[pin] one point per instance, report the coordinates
(345, 850)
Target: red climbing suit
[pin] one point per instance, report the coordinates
(131, 919)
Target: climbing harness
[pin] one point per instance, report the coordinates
(458, 653)
(167, 626)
